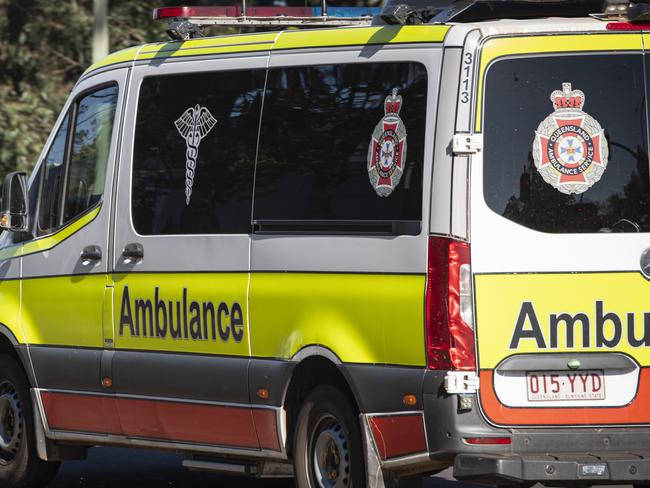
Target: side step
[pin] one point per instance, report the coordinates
(242, 468)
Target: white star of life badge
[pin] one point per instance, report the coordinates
(387, 149)
(570, 148)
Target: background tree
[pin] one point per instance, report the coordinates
(44, 48)
(46, 45)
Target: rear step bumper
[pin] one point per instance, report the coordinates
(593, 468)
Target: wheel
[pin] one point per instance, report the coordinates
(20, 465)
(328, 452)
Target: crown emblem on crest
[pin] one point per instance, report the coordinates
(393, 103)
(568, 98)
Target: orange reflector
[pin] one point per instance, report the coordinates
(488, 440)
(263, 393)
(107, 382)
(410, 400)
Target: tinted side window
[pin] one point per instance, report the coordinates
(52, 183)
(322, 124)
(517, 101)
(194, 152)
(78, 166)
(90, 147)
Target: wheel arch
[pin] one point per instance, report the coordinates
(10, 346)
(316, 365)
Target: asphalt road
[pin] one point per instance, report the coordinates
(130, 468)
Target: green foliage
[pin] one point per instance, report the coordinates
(44, 47)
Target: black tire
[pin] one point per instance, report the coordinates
(20, 465)
(411, 481)
(328, 452)
(393, 480)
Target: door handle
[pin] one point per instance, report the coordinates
(645, 262)
(133, 253)
(91, 254)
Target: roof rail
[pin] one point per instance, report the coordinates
(186, 22)
(442, 11)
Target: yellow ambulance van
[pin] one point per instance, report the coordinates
(353, 255)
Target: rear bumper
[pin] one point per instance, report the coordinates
(435, 435)
(598, 467)
(547, 455)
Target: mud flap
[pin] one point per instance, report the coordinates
(374, 472)
(45, 448)
(39, 429)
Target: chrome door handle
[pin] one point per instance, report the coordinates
(91, 254)
(133, 253)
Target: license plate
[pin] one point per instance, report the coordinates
(565, 385)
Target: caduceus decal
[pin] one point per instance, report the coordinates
(193, 125)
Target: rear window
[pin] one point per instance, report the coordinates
(321, 126)
(578, 163)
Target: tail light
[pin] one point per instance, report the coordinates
(449, 316)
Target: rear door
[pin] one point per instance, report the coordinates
(560, 217)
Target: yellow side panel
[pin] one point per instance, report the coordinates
(193, 312)
(526, 313)
(210, 45)
(48, 242)
(499, 47)
(290, 39)
(123, 56)
(360, 36)
(65, 310)
(10, 307)
(362, 318)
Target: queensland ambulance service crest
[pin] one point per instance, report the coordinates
(387, 150)
(570, 149)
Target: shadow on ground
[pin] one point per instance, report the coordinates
(134, 468)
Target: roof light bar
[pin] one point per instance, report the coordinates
(185, 13)
(267, 16)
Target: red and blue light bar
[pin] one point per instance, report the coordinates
(188, 13)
